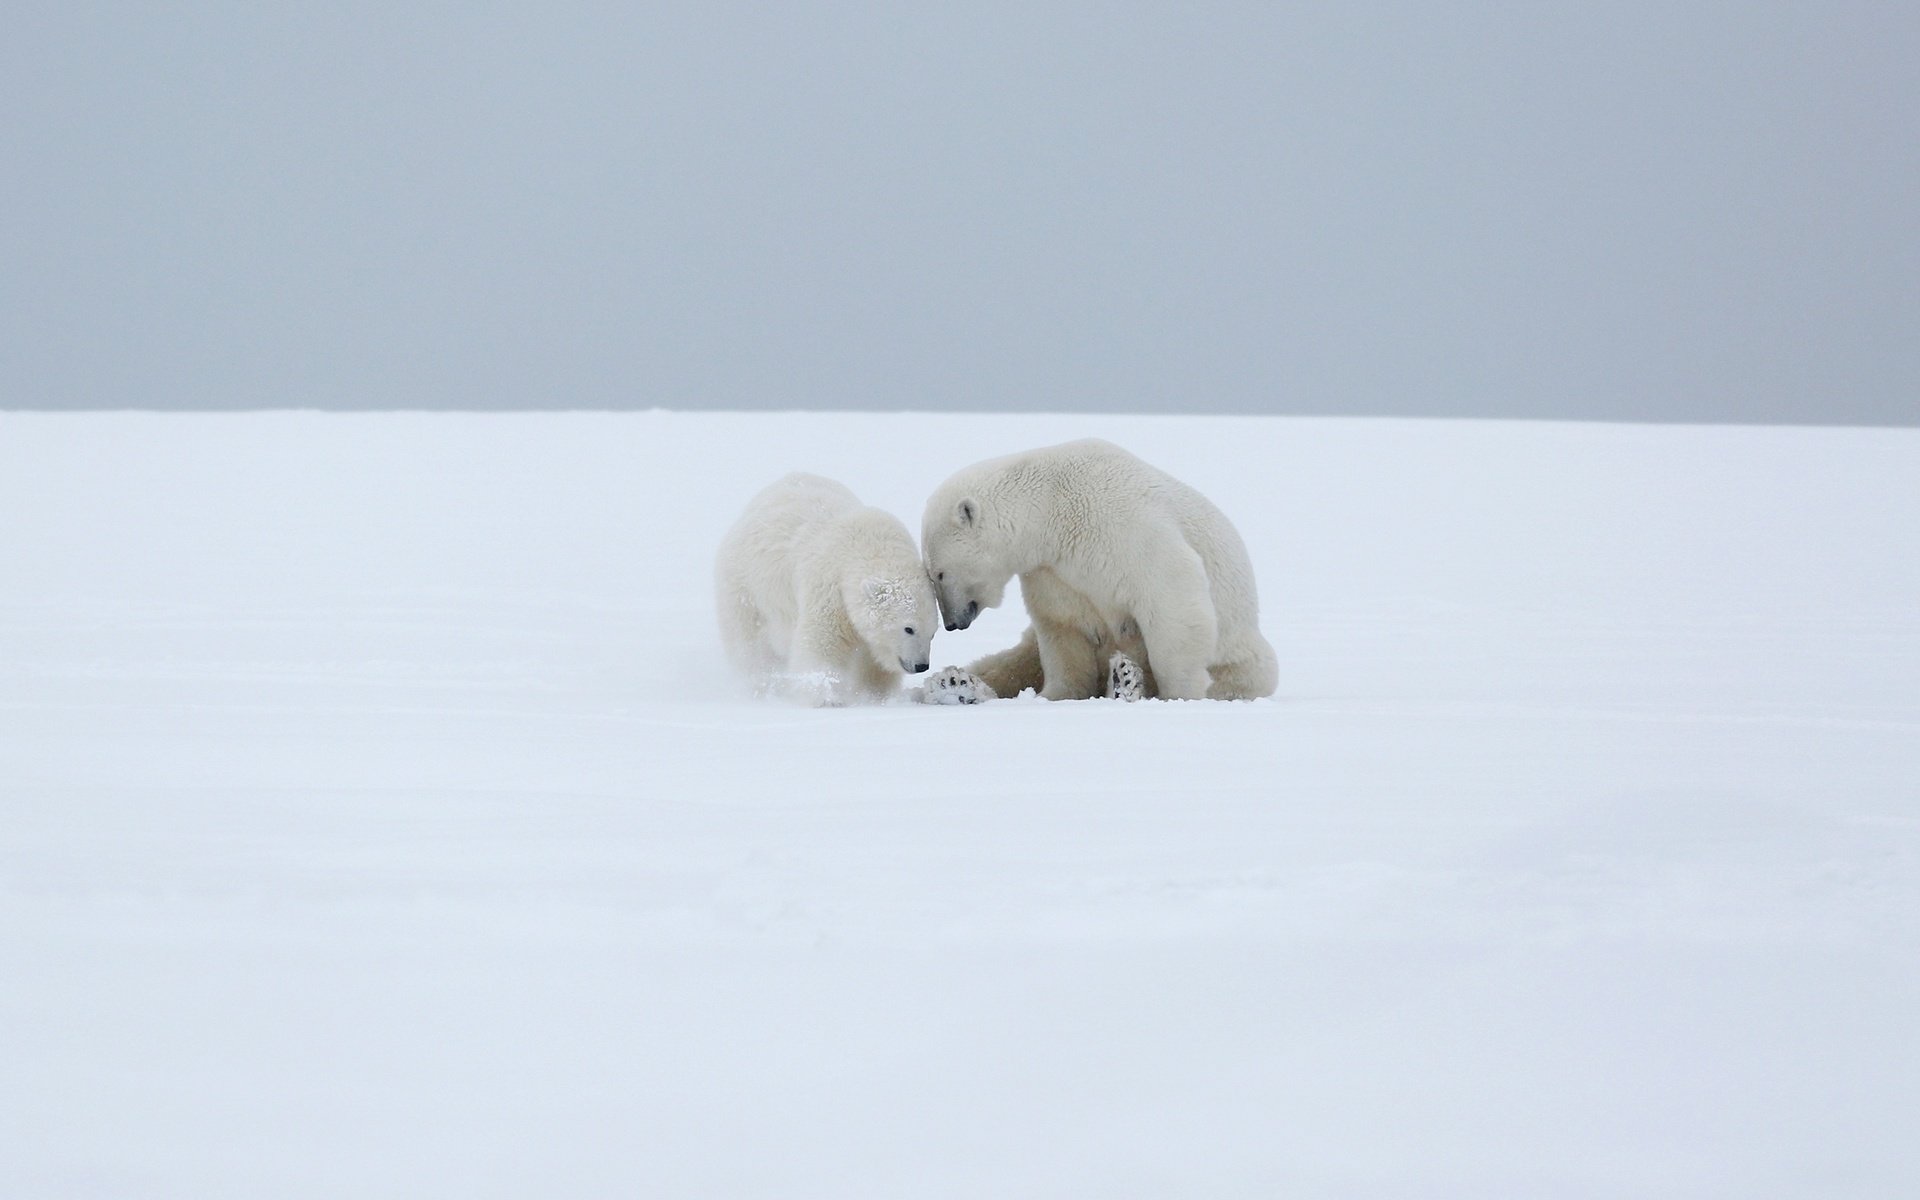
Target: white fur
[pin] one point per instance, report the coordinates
(1114, 557)
(822, 598)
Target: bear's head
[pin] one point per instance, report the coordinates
(963, 555)
(894, 615)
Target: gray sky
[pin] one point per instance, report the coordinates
(1676, 211)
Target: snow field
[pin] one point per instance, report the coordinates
(375, 818)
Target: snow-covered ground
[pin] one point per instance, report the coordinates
(375, 821)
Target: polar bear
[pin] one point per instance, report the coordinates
(822, 598)
(1135, 584)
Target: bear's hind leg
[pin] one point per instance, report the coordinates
(1249, 677)
(743, 633)
(1174, 611)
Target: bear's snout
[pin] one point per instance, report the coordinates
(962, 619)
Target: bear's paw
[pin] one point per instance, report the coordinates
(955, 686)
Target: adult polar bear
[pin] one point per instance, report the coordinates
(1117, 560)
(822, 598)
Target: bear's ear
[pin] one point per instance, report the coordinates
(967, 513)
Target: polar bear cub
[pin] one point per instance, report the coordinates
(1135, 583)
(821, 598)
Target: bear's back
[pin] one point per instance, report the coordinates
(787, 510)
(1130, 485)
(763, 552)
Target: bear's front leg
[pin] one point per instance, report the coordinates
(1069, 663)
(873, 683)
(821, 670)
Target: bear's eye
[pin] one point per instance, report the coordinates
(909, 631)
(940, 577)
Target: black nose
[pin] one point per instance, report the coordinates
(951, 627)
(919, 667)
